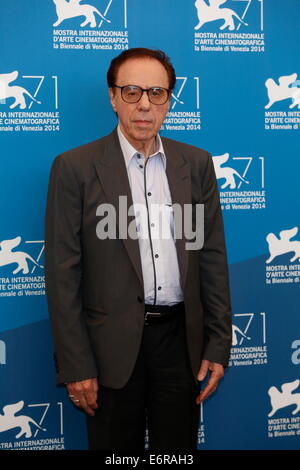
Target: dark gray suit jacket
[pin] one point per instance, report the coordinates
(95, 287)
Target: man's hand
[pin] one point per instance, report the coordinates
(84, 394)
(217, 372)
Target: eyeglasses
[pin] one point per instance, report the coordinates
(133, 94)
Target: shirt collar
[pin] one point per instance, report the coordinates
(129, 151)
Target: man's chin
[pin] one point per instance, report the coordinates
(144, 134)
(144, 130)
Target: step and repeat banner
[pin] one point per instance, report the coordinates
(237, 96)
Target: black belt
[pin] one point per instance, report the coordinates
(159, 313)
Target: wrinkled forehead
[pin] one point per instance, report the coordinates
(142, 71)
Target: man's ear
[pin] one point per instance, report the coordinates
(112, 97)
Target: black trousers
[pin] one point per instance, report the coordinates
(159, 395)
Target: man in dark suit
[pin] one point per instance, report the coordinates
(138, 321)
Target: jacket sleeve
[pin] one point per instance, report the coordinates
(214, 277)
(73, 355)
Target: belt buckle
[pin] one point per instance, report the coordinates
(154, 314)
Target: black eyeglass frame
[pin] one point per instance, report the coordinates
(143, 90)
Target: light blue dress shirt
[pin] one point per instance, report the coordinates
(154, 216)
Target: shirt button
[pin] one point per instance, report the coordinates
(156, 256)
(149, 194)
(152, 225)
(141, 166)
(159, 288)
(138, 155)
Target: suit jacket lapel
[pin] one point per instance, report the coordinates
(112, 172)
(179, 177)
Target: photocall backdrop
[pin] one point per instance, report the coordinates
(237, 95)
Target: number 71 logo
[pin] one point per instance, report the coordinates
(191, 86)
(240, 328)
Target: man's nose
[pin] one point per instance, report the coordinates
(144, 102)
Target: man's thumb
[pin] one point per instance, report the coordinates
(203, 370)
